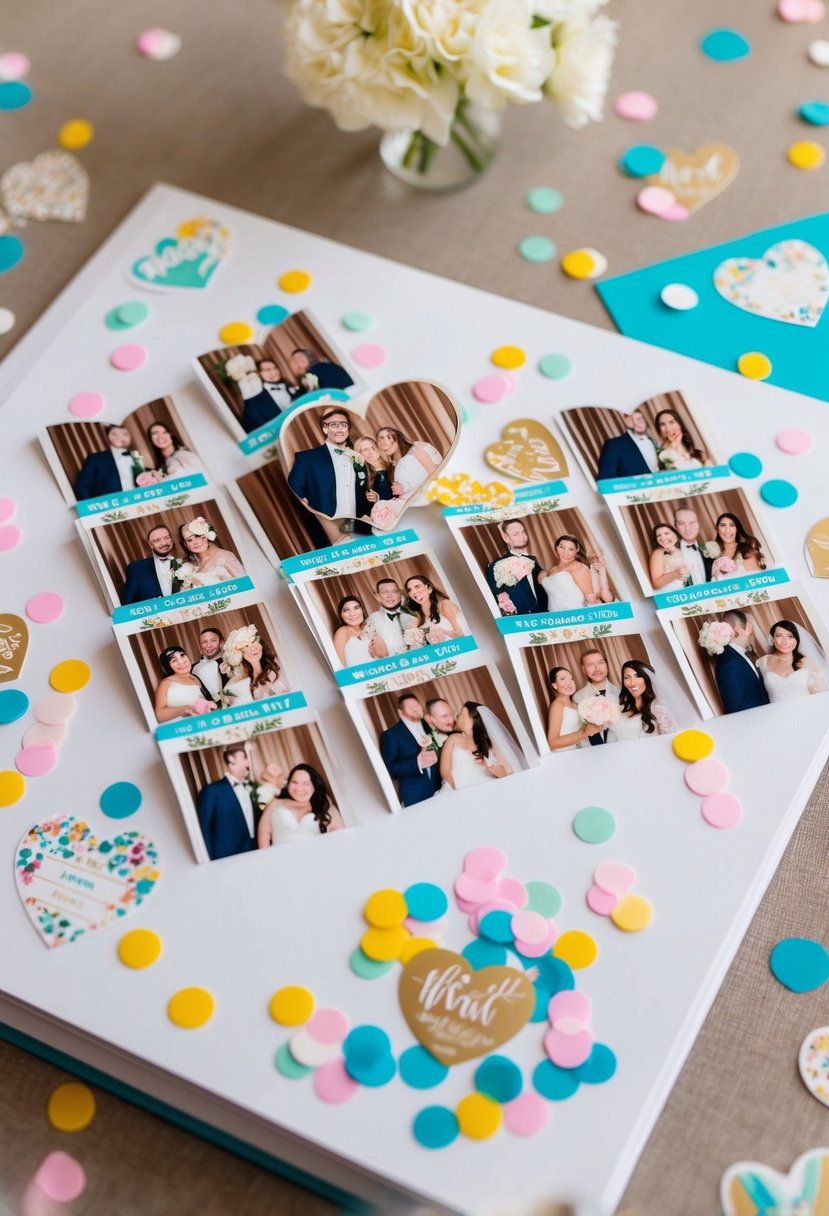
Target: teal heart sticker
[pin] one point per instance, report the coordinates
(188, 260)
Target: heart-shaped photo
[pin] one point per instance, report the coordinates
(358, 467)
(187, 260)
(789, 283)
(53, 186)
(527, 451)
(72, 883)
(694, 178)
(459, 1014)
(14, 642)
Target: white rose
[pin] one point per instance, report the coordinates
(447, 27)
(510, 60)
(584, 53)
(566, 10)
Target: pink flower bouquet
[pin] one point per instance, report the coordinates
(203, 707)
(598, 711)
(509, 571)
(715, 636)
(384, 513)
(148, 478)
(723, 566)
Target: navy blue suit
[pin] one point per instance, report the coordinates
(330, 375)
(98, 476)
(222, 821)
(141, 582)
(527, 596)
(400, 750)
(312, 478)
(621, 457)
(740, 687)
(263, 408)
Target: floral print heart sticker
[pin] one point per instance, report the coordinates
(72, 883)
(749, 1188)
(789, 283)
(187, 260)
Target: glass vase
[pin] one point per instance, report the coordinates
(416, 159)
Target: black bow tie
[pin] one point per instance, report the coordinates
(600, 692)
(164, 560)
(393, 615)
(245, 785)
(124, 452)
(689, 545)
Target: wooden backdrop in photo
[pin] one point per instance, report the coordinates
(327, 592)
(74, 441)
(298, 331)
(147, 646)
(640, 520)
(543, 530)
(703, 665)
(590, 425)
(538, 660)
(286, 523)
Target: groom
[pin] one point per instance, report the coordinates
(526, 596)
(273, 397)
(686, 522)
(108, 472)
(738, 680)
(150, 578)
(411, 750)
(226, 810)
(594, 669)
(631, 454)
(390, 621)
(326, 478)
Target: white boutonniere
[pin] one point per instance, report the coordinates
(710, 548)
(310, 382)
(137, 461)
(358, 464)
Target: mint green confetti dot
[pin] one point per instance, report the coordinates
(594, 825)
(544, 200)
(555, 367)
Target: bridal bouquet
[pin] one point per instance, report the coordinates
(668, 459)
(509, 571)
(723, 566)
(715, 636)
(598, 711)
(414, 637)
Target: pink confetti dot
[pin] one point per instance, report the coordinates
(615, 877)
(41, 735)
(722, 810)
(44, 607)
(333, 1084)
(572, 1006)
(675, 212)
(14, 65)
(427, 928)
(568, 1050)
(601, 902)
(526, 1114)
(485, 863)
(327, 1026)
(37, 760)
(530, 927)
(537, 949)
(474, 890)
(158, 43)
(794, 441)
(55, 707)
(490, 390)
(509, 381)
(369, 354)
(129, 357)
(513, 891)
(10, 536)
(656, 200)
(7, 509)
(801, 11)
(708, 776)
(86, 405)
(60, 1177)
(635, 105)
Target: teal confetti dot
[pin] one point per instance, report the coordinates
(113, 321)
(800, 964)
(133, 312)
(356, 321)
(13, 705)
(544, 200)
(815, 112)
(371, 1072)
(11, 250)
(120, 800)
(272, 314)
(481, 953)
(599, 1066)
(366, 1042)
(419, 1068)
(555, 1084)
(367, 968)
(497, 927)
(554, 974)
(543, 898)
(725, 45)
(778, 493)
(435, 1127)
(14, 95)
(536, 248)
(594, 825)
(426, 901)
(555, 366)
(640, 160)
(288, 1066)
(542, 1000)
(470, 412)
(499, 1078)
(746, 464)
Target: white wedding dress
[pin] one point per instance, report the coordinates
(807, 679)
(410, 472)
(182, 696)
(183, 463)
(357, 650)
(465, 770)
(633, 728)
(225, 567)
(571, 721)
(563, 591)
(673, 559)
(447, 627)
(287, 829)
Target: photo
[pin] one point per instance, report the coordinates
(367, 467)
(664, 434)
(255, 383)
(280, 523)
(685, 541)
(150, 448)
(239, 796)
(756, 648)
(194, 666)
(436, 736)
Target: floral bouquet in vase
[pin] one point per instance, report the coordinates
(715, 636)
(598, 711)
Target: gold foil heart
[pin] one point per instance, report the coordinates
(457, 1013)
(817, 548)
(14, 642)
(694, 178)
(527, 451)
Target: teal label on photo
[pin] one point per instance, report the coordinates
(666, 477)
(721, 588)
(441, 652)
(168, 488)
(594, 614)
(322, 561)
(180, 599)
(269, 432)
(253, 711)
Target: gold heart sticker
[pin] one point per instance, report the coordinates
(817, 548)
(527, 451)
(457, 1013)
(14, 642)
(694, 178)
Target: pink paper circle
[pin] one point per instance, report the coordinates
(327, 1026)
(86, 405)
(509, 382)
(722, 810)
(55, 707)
(799, 11)
(492, 905)
(615, 877)
(635, 105)
(469, 906)
(60, 1177)
(530, 927)
(655, 200)
(572, 1005)
(526, 1114)
(369, 354)
(149, 42)
(39, 734)
(676, 211)
(7, 509)
(36, 760)
(10, 536)
(490, 390)
(795, 441)
(14, 65)
(601, 902)
(332, 1083)
(568, 1050)
(428, 928)
(129, 357)
(485, 863)
(708, 776)
(44, 607)
(513, 891)
(474, 890)
(536, 949)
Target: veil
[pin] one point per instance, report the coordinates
(503, 740)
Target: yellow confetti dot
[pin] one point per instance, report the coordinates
(190, 1008)
(632, 913)
(291, 1005)
(579, 264)
(479, 1117)
(414, 946)
(139, 948)
(71, 1107)
(294, 281)
(576, 948)
(385, 909)
(70, 676)
(236, 332)
(12, 787)
(76, 133)
(693, 745)
(384, 945)
(754, 365)
(508, 357)
(806, 154)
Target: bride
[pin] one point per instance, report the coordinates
(352, 641)
(565, 729)
(300, 811)
(575, 580)
(675, 447)
(741, 549)
(666, 566)
(209, 564)
(414, 461)
(433, 609)
(471, 755)
(795, 667)
(180, 694)
(642, 713)
(170, 454)
(253, 670)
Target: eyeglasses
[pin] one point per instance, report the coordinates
(338, 425)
